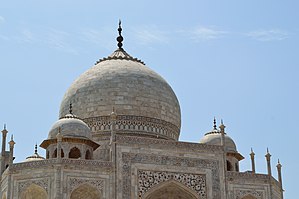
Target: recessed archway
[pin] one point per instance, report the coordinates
(75, 153)
(86, 191)
(34, 192)
(170, 190)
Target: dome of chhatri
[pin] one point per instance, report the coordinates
(214, 138)
(144, 102)
(70, 126)
(34, 157)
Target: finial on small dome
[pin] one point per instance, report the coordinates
(71, 108)
(119, 38)
(215, 125)
(35, 149)
(4, 127)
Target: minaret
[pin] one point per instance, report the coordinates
(268, 158)
(11, 148)
(280, 177)
(252, 154)
(4, 133)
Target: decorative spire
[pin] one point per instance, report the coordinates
(35, 149)
(11, 142)
(252, 161)
(215, 126)
(71, 108)
(222, 127)
(4, 129)
(119, 38)
(280, 177)
(268, 159)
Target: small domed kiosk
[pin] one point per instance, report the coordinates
(69, 137)
(219, 137)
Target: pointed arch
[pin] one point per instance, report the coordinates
(34, 192)
(75, 153)
(170, 189)
(86, 191)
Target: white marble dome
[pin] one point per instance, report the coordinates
(70, 126)
(214, 138)
(144, 102)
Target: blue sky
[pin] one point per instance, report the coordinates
(235, 60)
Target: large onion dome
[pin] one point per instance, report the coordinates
(144, 102)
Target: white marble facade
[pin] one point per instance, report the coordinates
(118, 138)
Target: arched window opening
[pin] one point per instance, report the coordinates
(75, 153)
(86, 191)
(54, 154)
(34, 191)
(47, 155)
(228, 166)
(88, 155)
(171, 190)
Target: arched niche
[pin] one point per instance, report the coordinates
(85, 191)
(170, 190)
(34, 192)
